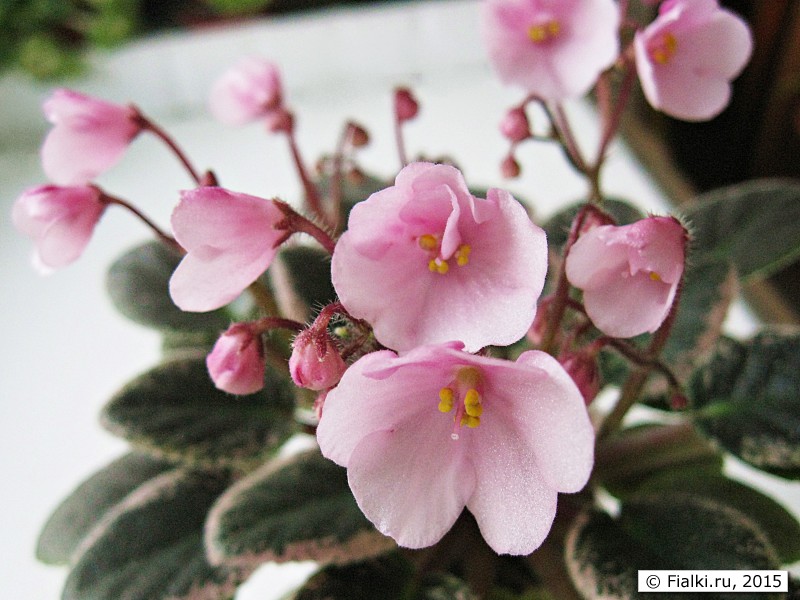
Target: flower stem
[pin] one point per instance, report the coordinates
(312, 197)
(297, 223)
(161, 134)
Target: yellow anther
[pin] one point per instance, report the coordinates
(665, 49)
(470, 421)
(655, 276)
(473, 410)
(438, 265)
(445, 399)
(428, 242)
(462, 254)
(472, 398)
(544, 31)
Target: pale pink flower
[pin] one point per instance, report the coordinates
(230, 240)
(315, 362)
(427, 433)
(236, 364)
(629, 274)
(555, 49)
(248, 91)
(89, 136)
(425, 261)
(687, 57)
(60, 220)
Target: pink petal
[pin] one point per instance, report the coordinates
(251, 89)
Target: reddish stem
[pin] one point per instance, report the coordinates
(161, 134)
(160, 233)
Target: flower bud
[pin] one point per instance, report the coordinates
(515, 125)
(315, 363)
(357, 135)
(236, 364)
(510, 168)
(585, 372)
(405, 105)
(248, 91)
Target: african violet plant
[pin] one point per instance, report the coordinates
(443, 350)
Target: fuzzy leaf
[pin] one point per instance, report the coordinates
(175, 411)
(748, 399)
(670, 530)
(386, 577)
(296, 508)
(754, 224)
(138, 283)
(149, 547)
(301, 279)
(84, 507)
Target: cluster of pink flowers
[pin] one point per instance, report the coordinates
(427, 421)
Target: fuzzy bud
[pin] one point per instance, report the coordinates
(236, 363)
(315, 363)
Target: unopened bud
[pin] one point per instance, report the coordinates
(515, 125)
(585, 372)
(358, 135)
(678, 401)
(510, 168)
(315, 363)
(405, 105)
(236, 364)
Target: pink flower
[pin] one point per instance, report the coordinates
(60, 220)
(424, 261)
(629, 274)
(687, 57)
(250, 90)
(89, 136)
(315, 362)
(230, 240)
(425, 434)
(236, 364)
(554, 49)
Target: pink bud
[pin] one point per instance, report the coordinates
(510, 168)
(358, 135)
(280, 121)
(585, 372)
(89, 136)
(250, 90)
(405, 105)
(60, 220)
(515, 125)
(315, 362)
(236, 363)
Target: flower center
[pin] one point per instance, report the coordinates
(462, 398)
(544, 32)
(663, 49)
(436, 263)
(655, 276)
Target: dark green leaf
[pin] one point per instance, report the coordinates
(386, 577)
(149, 547)
(298, 508)
(301, 279)
(85, 506)
(558, 226)
(138, 283)
(443, 586)
(753, 224)
(175, 411)
(748, 399)
(670, 530)
(353, 190)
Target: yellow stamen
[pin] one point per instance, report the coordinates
(655, 276)
(462, 254)
(445, 399)
(438, 265)
(544, 31)
(470, 421)
(428, 242)
(665, 49)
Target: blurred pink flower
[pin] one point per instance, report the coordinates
(60, 220)
(230, 240)
(629, 274)
(236, 364)
(89, 136)
(554, 49)
(248, 91)
(427, 433)
(315, 362)
(425, 261)
(687, 57)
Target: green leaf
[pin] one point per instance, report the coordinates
(558, 226)
(444, 586)
(748, 399)
(353, 190)
(301, 279)
(138, 283)
(754, 224)
(669, 530)
(175, 411)
(91, 500)
(149, 547)
(387, 577)
(780, 527)
(296, 508)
